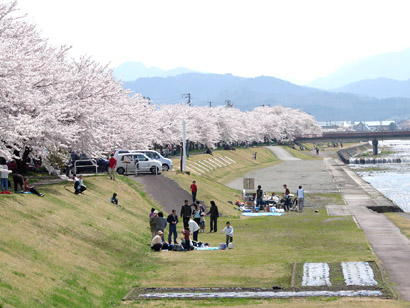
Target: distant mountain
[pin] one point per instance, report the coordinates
(129, 71)
(248, 93)
(380, 88)
(393, 65)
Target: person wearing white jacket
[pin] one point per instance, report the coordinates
(193, 229)
(229, 233)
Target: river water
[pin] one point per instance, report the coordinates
(391, 179)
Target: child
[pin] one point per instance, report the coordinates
(114, 199)
(229, 233)
(187, 240)
(202, 222)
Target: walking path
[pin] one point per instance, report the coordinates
(386, 240)
(166, 191)
(282, 154)
(312, 175)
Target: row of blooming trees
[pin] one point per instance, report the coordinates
(51, 104)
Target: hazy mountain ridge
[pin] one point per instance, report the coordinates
(380, 88)
(393, 65)
(129, 71)
(248, 93)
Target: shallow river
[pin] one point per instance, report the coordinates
(391, 179)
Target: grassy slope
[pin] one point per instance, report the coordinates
(65, 250)
(211, 184)
(80, 251)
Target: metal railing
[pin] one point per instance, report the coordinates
(92, 161)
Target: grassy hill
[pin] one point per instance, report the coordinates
(65, 250)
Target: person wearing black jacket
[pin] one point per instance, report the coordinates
(214, 216)
(186, 213)
(172, 220)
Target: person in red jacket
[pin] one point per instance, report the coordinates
(112, 163)
(194, 190)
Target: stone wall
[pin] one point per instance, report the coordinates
(345, 154)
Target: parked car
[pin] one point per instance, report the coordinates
(166, 163)
(31, 165)
(131, 163)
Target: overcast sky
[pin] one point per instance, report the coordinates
(296, 40)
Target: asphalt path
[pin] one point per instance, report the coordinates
(164, 190)
(313, 175)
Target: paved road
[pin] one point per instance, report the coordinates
(166, 191)
(312, 175)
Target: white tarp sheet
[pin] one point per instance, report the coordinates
(316, 274)
(358, 274)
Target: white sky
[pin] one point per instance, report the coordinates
(295, 40)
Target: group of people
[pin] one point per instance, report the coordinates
(18, 180)
(193, 220)
(263, 199)
(79, 186)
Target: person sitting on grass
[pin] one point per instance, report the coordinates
(76, 181)
(28, 188)
(229, 233)
(114, 199)
(156, 243)
(82, 187)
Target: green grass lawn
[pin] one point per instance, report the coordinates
(65, 250)
(211, 184)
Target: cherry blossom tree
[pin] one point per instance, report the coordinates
(52, 105)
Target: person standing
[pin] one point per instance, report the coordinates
(287, 192)
(112, 164)
(197, 214)
(229, 233)
(301, 198)
(153, 223)
(194, 190)
(18, 180)
(259, 197)
(193, 229)
(161, 224)
(4, 177)
(214, 216)
(186, 213)
(172, 221)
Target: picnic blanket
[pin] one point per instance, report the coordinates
(262, 214)
(206, 248)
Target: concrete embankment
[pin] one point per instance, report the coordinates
(346, 154)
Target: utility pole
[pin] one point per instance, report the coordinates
(210, 104)
(188, 95)
(228, 103)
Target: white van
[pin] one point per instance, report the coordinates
(166, 162)
(132, 163)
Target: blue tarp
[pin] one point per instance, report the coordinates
(262, 214)
(206, 248)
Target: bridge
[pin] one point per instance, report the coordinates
(355, 137)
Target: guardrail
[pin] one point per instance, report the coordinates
(92, 161)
